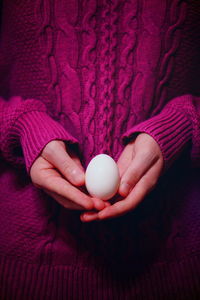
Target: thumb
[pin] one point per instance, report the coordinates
(55, 152)
(125, 158)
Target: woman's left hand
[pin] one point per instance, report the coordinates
(140, 166)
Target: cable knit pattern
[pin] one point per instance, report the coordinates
(47, 34)
(88, 73)
(146, 71)
(107, 84)
(96, 73)
(171, 43)
(127, 43)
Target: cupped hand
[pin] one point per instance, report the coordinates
(140, 166)
(58, 171)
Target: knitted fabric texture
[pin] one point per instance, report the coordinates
(95, 74)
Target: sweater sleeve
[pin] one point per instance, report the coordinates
(173, 128)
(25, 129)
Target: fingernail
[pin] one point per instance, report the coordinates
(125, 188)
(77, 175)
(80, 177)
(82, 217)
(99, 204)
(87, 217)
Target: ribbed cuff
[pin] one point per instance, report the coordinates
(171, 129)
(36, 129)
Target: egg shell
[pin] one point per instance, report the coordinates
(102, 177)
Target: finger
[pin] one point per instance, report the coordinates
(140, 164)
(142, 188)
(99, 204)
(125, 158)
(64, 189)
(92, 215)
(89, 216)
(63, 201)
(55, 152)
(47, 178)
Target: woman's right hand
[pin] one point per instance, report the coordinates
(58, 171)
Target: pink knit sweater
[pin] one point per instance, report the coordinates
(95, 73)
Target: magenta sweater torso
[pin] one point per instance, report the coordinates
(95, 73)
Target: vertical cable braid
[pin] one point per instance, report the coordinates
(127, 47)
(45, 13)
(107, 82)
(88, 65)
(177, 14)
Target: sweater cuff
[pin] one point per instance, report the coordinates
(171, 129)
(36, 129)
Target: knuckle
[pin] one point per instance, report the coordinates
(49, 149)
(147, 156)
(52, 148)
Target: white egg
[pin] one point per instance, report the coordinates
(102, 177)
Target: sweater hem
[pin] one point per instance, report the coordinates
(173, 280)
